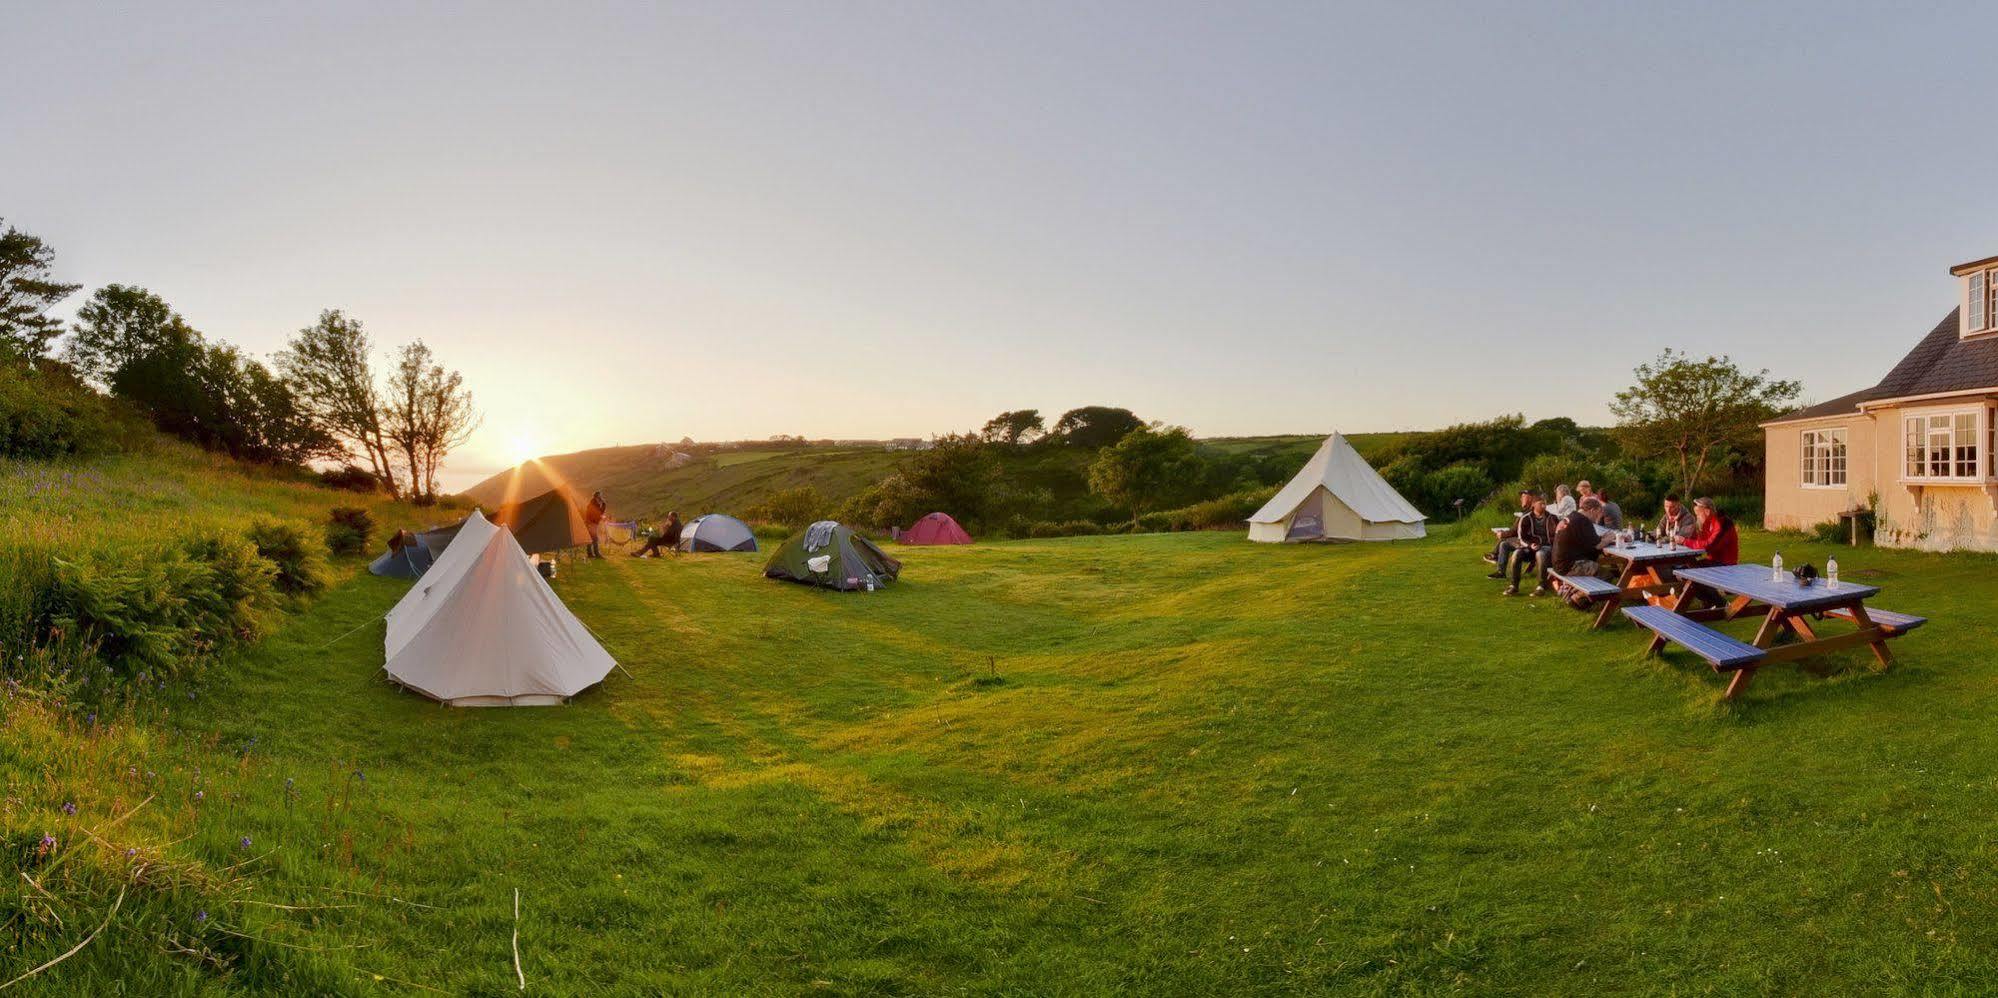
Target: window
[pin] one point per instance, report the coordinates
(1982, 299)
(1943, 446)
(1824, 458)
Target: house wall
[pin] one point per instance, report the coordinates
(1929, 517)
(1789, 504)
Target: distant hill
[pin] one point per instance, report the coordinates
(647, 480)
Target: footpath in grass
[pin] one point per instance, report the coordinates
(1166, 764)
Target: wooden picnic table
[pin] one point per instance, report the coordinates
(1643, 575)
(1787, 606)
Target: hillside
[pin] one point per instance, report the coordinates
(645, 481)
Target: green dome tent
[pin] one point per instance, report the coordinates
(830, 554)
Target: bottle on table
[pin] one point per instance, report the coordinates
(1831, 573)
(1776, 568)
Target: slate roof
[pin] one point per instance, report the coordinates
(1941, 362)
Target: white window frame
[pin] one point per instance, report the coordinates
(1822, 458)
(1934, 440)
(1980, 294)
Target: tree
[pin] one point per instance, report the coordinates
(27, 294)
(794, 507)
(1149, 469)
(119, 325)
(1696, 408)
(426, 412)
(959, 475)
(1094, 426)
(1020, 426)
(327, 366)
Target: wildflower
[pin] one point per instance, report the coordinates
(197, 796)
(91, 720)
(69, 807)
(48, 843)
(245, 842)
(201, 916)
(129, 853)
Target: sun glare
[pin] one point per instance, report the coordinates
(521, 449)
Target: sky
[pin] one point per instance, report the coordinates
(630, 223)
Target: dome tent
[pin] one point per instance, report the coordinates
(936, 528)
(406, 558)
(830, 554)
(717, 532)
(1337, 495)
(551, 521)
(483, 629)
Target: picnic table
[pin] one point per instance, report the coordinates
(1788, 608)
(1642, 578)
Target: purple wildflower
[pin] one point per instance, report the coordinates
(69, 808)
(129, 853)
(48, 842)
(245, 842)
(201, 916)
(198, 795)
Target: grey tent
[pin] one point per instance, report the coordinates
(717, 532)
(434, 541)
(406, 558)
(830, 554)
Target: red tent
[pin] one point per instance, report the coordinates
(936, 528)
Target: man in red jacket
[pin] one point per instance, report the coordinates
(1714, 534)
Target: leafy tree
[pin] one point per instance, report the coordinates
(1094, 426)
(119, 325)
(790, 507)
(426, 412)
(327, 366)
(959, 476)
(1148, 469)
(1020, 426)
(27, 294)
(1694, 409)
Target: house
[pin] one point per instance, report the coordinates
(1916, 448)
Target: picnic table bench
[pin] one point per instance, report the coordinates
(1787, 607)
(1642, 578)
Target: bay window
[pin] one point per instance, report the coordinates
(1944, 446)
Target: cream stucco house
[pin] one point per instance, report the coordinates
(1917, 448)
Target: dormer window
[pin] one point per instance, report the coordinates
(1980, 296)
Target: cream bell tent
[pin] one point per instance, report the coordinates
(482, 629)
(1337, 496)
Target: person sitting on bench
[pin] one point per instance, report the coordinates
(1715, 535)
(1509, 540)
(1535, 546)
(667, 539)
(1576, 545)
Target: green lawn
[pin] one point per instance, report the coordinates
(1168, 764)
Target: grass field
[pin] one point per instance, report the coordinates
(1168, 764)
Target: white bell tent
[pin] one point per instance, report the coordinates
(481, 628)
(1337, 496)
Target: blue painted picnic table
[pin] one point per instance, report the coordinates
(1642, 578)
(1643, 553)
(1759, 584)
(1788, 608)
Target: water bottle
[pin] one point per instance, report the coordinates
(1831, 573)
(1776, 568)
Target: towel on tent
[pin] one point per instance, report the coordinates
(819, 534)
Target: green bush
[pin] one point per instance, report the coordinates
(46, 412)
(299, 557)
(351, 531)
(167, 613)
(772, 532)
(1069, 528)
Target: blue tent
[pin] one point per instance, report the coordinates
(403, 561)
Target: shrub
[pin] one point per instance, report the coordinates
(1066, 528)
(349, 478)
(299, 558)
(1156, 523)
(1441, 489)
(791, 507)
(351, 531)
(772, 532)
(1229, 512)
(45, 412)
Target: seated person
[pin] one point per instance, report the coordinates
(1564, 502)
(668, 538)
(1534, 544)
(1715, 534)
(1612, 513)
(1503, 549)
(1677, 523)
(1576, 544)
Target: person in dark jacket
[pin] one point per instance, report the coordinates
(1509, 540)
(667, 539)
(593, 520)
(1534, 544)
(1677, 523)
(1577, 544)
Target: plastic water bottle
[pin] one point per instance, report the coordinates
(1831, 573)
(1776, 568)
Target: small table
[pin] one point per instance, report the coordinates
(1642, 577)
(1735, 591)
